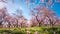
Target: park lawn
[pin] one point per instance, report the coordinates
(41, 30)
(31, 29)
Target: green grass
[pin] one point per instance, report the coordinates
(41, 30)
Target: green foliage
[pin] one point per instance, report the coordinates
(14, 31)
(40, 30)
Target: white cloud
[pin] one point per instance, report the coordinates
(2, 4)
(21, 8)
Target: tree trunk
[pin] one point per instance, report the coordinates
(39, 24)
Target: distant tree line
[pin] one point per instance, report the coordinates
(6, 20)
(41, 15)
(44, 16)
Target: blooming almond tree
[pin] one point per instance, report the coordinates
(42, 14)
(33, 22)
(2, 14)
(21, 20)
(50, 14)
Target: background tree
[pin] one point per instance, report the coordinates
(2, 14)
(21, 20)
(50, 14)
(33, 22)
(6, 19)
(40, 15)
(13, 22)
(37, 16)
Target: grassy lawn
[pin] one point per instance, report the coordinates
(40, 30)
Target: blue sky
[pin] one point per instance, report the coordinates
(21, 4)
(56, 8)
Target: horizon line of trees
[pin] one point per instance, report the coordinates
(6, 20)
(39, 18)
(41, 15)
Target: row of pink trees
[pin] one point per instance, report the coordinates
(45, 16)
(39, 18)
(42, 13)
(6, 20)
